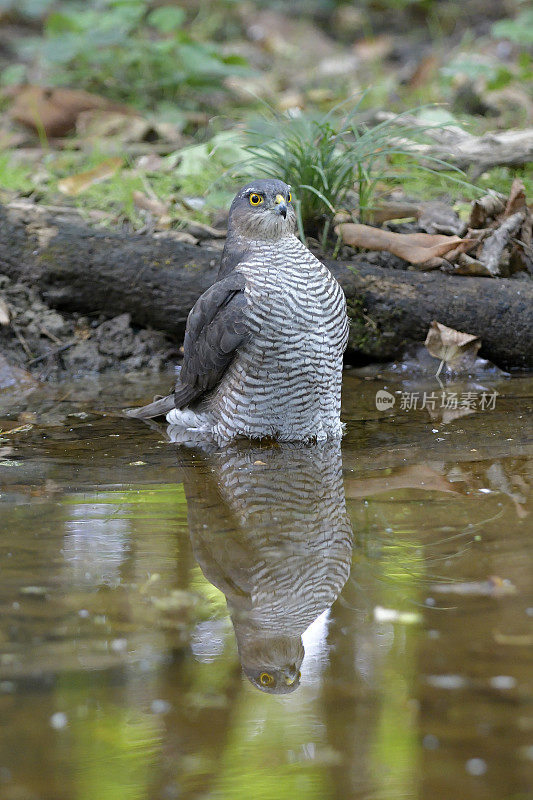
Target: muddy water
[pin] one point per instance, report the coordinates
(270, 622)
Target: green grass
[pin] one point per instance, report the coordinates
(15, 177)
(198, 171)
(212, 170)
(338, 162)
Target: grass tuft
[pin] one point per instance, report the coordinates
(337, 161)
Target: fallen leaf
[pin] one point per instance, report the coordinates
(55, 111)
(176, 236)
(378, 47)
(420, 476)
(416, 248)
(424, 72)
(202, 231)
(486, 209)
(121, 125)
(517, 198)
(75, 184)
(18, 429)
(151, 204)
(515, 640)
(393, 210)
(449, 345)
(466, 265)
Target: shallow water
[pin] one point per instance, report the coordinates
(147, 591)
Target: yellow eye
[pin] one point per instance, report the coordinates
(255, 199)
(265, 678)
(289, 198)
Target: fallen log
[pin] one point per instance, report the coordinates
(157, 280)
(452, 144)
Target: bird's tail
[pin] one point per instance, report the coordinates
(156, 409)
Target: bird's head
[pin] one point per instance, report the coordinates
(263, 210)
(270, 662)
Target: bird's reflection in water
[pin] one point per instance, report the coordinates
(269, 528)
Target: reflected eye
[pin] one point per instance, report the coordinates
(265, 678)
(255, 199)
(289, 197)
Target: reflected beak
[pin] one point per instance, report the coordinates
(292, 677)
(281, 208)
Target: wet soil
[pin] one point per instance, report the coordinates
(52, 344)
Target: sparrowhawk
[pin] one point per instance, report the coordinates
(269, 528)
(263, 347)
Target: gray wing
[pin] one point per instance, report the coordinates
(216, 328)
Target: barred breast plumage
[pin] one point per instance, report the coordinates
(269, 528)
(264, 345)
(285, 381)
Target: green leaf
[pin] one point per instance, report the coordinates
(13, 74)
(58, 23)
(167, 18)
(518, 30)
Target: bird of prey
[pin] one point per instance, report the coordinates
(269, 528)
(263, 347)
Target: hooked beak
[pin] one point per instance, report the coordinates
(292, 676)
(281, 205)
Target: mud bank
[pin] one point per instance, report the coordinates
(51, 345)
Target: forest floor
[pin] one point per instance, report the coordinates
(122, 150)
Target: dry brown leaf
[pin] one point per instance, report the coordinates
(466, 265)
(486, 209)
(517, 199)
(449, 345)
(513, 639)
(55, 111)
(395, 210)
(75, 184)
(416, 248)
(373, 48)
(424, 72)
(151, 204)
(419, 476)
(121, 125)
(176, 236)
(202, 231)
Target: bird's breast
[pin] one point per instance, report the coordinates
(290, 297)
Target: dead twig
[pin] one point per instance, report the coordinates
(494, 245)
(50, 336)
(22, 340)
(51, 353)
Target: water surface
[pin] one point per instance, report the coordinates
(268, 622)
